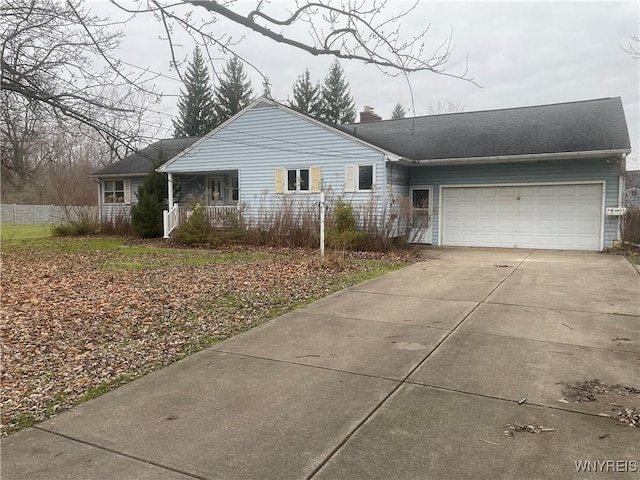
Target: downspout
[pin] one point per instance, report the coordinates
(621, 185)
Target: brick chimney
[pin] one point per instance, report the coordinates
(368, 115)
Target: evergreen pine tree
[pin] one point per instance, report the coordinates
(337, 103)
(398, 112)
(306, 96)
(196, 112)
(146, 214)
(234, 92)
(266, 88)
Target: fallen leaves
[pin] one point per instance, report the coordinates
(591, 390)
(586, 390)
(528, 427)
(70, 323)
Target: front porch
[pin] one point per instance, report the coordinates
(217, 192)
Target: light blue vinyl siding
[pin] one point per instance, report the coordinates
(397, 180)
(555, 171)
(260, 140)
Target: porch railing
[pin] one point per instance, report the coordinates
(221, 216)
(170, 219)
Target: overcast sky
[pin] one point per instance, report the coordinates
(521, 53)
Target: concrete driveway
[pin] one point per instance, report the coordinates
(417, 374)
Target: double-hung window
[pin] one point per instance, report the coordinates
(114, 191)
(298, 180)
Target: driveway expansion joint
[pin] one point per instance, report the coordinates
(560, 310)
(590, 347)
(356, 319)
(121, 454)
(418, 365)
(299, 364)
(501, 399)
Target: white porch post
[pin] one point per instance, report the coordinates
(99, 182)
(170, 184)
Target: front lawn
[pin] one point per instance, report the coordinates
(82, 316)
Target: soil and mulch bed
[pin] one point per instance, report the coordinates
(75, 325)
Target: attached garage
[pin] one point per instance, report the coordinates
(559, 216)
(543, 176)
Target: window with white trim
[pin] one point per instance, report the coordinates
(298, 180)
(365, 177)
(114, 191)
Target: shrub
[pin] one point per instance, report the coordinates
(631, 225)
(344, 218)
(82, 227)
(342, 234)
(197, 230)
(120, 225)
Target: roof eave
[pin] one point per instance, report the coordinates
(520, 158)
(118, 175)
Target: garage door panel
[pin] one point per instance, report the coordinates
(531, 216)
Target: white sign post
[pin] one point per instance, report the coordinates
(322, 212)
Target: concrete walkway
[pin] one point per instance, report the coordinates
(413, 375)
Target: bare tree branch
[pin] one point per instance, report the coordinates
(633, 47)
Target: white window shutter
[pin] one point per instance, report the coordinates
(349, 178)
(127, 191)
(279, 187)
(316, 177)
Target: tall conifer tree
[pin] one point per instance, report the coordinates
(306, 96)
(234, 92)
(146, 214)
(398, 112)
(337, 103)
(196, 112)
(266, 88)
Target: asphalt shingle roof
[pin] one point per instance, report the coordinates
(564, 127)
(140, 162)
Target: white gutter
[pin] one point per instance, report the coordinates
(519, 158)
(119, 175)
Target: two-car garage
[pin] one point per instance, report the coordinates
(556, 216)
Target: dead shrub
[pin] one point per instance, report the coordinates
(631, 225)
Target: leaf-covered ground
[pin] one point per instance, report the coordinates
(81, 317)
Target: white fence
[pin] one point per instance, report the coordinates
(12, 214)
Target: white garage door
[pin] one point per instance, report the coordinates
(532, 216)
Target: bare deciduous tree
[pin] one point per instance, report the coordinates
(445, 107)
(63, 58)
(59, 62)
(633, 46)
(362, 30)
